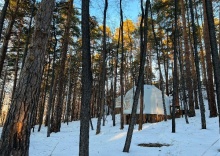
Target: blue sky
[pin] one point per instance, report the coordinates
(131, 9)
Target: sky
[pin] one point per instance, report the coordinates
(131, 10)
(189, 139)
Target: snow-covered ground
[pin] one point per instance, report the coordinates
(189, 139)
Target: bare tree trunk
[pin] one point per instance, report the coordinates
(2, 17)
(189, 83)
(194, 78)
(141, 106)
(86, 82)
(15, 136)
(7, 36)
(73, 101)
(43, 101)
(115, 78)
(210, 85)
(203, 62)
(166, 68)
(122, 68)
(3, 90)
(69, 92)
(29, 33)
(214, 50)
(143, 47)
(202, 107)
(103, 72)
(175, 77)
(17, 61)
(52, 86)
(183, 85)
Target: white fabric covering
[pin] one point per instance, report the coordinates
(153, 103)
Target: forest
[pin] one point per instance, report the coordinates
(61, 64)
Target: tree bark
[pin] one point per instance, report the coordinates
(210, 85)
(3, 90)
(175, 77)
(141, 106)
(2, 17)
(115, 77)
(43, 101)
(52, 88)
(122, 68)
(183, 86)
(214, 50)
(103, 72)
(29, 34)
(17, 61)
(202, 107)
(7, 36)
(69, 92)
(86, 82)
(189, 83)
(15, 136)
(166, 67)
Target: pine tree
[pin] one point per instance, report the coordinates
(15, 136)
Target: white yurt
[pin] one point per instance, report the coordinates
(153, 103)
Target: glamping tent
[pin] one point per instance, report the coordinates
(153, 103)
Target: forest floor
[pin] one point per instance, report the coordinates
(189, 139)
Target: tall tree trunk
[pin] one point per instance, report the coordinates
(183, 84)
(43, 101)
(166, 67)
(86, 82)
(141, 106)
(17, 61)
(15, 136)
(3, 90)
(54, 97)
(175, 77)
(59, 104)
(103, 72)
(158, 63)
(210, 85)
(52, 88)
(202, 107)
(143, 47)
(73, 101)
(189, 83)
(203, 62)
(122, 67)
(115, 77)
(7, 36)
(194, 77)
(69, 92)
(2, 17)
(29, 33)
(214, 50)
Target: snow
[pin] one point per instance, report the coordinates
(189, 139)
